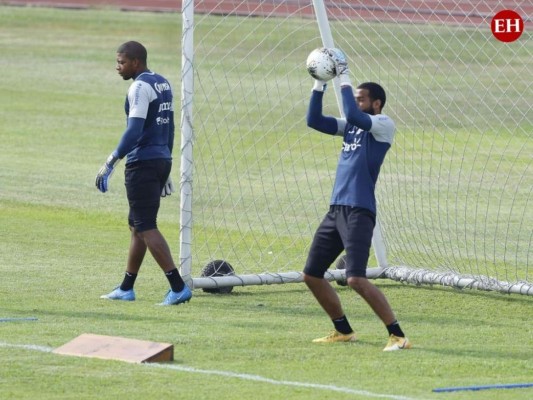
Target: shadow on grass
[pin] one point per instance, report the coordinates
(497, 296)
(480, 353)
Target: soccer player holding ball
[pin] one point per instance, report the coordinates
(147, 145)
(348, 226)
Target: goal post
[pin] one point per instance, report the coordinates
(454, 193)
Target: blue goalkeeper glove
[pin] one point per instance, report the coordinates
(103, 175)
(168, 189)
(341, 66)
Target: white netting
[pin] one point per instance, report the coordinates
(455, 190)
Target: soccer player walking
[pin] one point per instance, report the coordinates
(349, 224)
(147, 145)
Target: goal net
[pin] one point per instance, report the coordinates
(454, 193)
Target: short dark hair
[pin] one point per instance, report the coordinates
(375, 92)
(134, 51)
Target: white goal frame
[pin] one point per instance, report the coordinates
(399, 272)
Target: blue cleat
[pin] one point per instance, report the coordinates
(177, 297)
(118, 294)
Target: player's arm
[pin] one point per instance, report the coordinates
(315, 118)
(139, 96)
(171, 133)
(131, 135)
(127, 142)
(352, 113)
(169, 188)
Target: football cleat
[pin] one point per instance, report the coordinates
(336, 336)
(397, 343)
(174, 298)
(118, 294)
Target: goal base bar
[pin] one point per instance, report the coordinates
(452, 279)
(271, 278)
(396, 273)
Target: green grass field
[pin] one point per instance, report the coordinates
(64, 244)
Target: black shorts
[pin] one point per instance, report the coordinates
(343, 228)
(144, 182)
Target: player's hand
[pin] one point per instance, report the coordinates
(341, 64)
(105, 172)
(168, 189)
(320, 86)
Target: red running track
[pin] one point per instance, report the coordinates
(456, 12)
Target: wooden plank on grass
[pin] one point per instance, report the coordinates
(117, 348)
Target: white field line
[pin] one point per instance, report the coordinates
(236, 375)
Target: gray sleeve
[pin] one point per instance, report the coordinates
(383, 128)
(341, 124)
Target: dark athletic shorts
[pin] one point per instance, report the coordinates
(144, 182)
(343, 228)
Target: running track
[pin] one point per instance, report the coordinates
(456, 12)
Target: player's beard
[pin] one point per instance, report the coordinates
(368, 110)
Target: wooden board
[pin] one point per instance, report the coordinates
(117, 348)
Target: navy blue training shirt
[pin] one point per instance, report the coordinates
(150, 99)
(362, 152)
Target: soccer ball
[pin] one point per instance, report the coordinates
(341, 264)
(218, 268)
(320, 65)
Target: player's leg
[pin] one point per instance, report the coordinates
(135, 256)
(374, 297)
(143, 190)
(325, 248)
(326, 296)
(356, 229)
(145, 202)
(358, 238)
(153, 239)
(379, 304)
(136, 252)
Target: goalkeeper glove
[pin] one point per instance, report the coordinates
(320, 86)
(341, 66)
(168, 189)
(103, 175)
